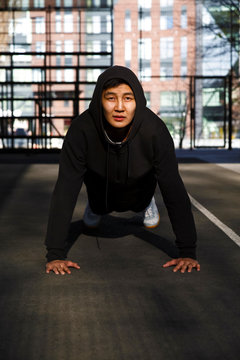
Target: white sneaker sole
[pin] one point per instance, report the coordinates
(153, 226)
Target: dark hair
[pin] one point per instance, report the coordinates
(111, 83)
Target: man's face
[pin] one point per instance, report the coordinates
(119, 105)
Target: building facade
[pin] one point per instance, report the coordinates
(51, 54)
(156, 39)
(52, 51)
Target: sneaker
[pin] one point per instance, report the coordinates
(151, 217)
(90, 219)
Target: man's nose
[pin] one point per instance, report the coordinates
(119, 105)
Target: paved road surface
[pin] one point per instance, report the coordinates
(121, 304)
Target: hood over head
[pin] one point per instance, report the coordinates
(127, 75)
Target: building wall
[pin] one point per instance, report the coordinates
(155, 38)
(50, 67)
(157, 83)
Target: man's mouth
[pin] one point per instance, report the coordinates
(118, 117)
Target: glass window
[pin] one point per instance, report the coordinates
(68, 60)
(96, 3)
(94, 46)
(173, 111)
(78, 22)
(37, 75)
(148, 98)
(58, 60)
(106, 46)
(166, 15)
(97, 48)
(128, 49)
(40, 48)
(165, 3)
(68, 3)
(146, 4)
(68, 21)
(166, 19)
(145, 49)
(16, 26)
(166, 57)
(128, 25)
(173, 98)
(128, 52)
(24, 4)
(58, 3)
(145, 21)
(40, 25)
(68, 46)
(109, 23)
(92, 74)
(166, 70)
(39, 3)
(58, 49)
(88, 24)
(212, 97)
(21, 58)
(68, 75)
(2, 78)
(183, 68)
(109, 46)
(58, 46)
(183, 47)
(89, 48)
(145, 73)
(184, 17)
(166, 48)
(58, 26)
(96, 23)
(93, 24)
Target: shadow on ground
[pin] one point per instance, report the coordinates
(116, 227)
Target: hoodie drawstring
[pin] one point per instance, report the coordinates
(98, 243)
(127, 161)
(107, 175)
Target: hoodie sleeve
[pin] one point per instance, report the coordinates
(174, 195)
(72, 168)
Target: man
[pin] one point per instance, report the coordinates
(120, 149)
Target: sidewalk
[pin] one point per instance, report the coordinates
(217, 156)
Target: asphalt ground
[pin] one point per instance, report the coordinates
(121, 304)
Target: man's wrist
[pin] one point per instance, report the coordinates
(188, 253)
(55, 254)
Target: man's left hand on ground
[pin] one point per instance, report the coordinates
(183, 264)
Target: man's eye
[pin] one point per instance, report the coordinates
(128, 98)
(111, 98)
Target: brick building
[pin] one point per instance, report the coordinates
(153, 38)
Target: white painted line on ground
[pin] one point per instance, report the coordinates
(232, 167)
(229, 232)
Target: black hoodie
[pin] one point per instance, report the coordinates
(119, 177)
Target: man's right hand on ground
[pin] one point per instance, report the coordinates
(60, 266)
